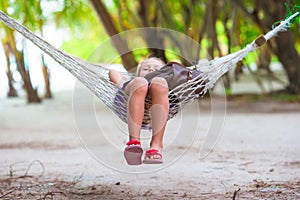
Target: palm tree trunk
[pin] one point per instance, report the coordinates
(11, 90)
(152, 38)
(120, 45)
(32, 96)
(45, 70)
(290, 60)
(226, 77)
(284, 46)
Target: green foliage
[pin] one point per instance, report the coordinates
(4, 5)
(283, 97)
(28, 12)
(228, 91)
(286, 97)
(186, 16)
(291, 11)
(81, 47)
(72, 13)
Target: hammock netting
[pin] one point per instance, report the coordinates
(95, 77)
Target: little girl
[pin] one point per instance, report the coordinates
(138, 89)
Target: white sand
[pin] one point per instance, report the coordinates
(259, 142)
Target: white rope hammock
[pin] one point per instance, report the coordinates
(95, 77)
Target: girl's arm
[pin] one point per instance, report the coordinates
(117, 77)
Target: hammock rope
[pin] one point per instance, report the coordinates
(95, 77)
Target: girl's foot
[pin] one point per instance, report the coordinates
(153, 156)
(133, 152)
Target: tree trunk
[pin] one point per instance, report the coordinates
(201, 36)
(120, 45)
(226, 77)
(32, 96)
(152, 40)
(45, 70)
(285, 43)
(290, 60)
(48, 93)
(284, 46)
(12, 91)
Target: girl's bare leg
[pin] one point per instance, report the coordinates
(159, 111)
(137, 90)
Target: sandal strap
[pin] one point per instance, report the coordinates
(133, 142)
(151, 152)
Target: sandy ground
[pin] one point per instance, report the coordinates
(68, 149)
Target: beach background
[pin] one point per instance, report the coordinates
(244, 146)
(44, 152)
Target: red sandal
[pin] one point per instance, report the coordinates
(133, 152)
(149, 157)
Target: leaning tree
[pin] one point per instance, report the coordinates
(264, 13)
